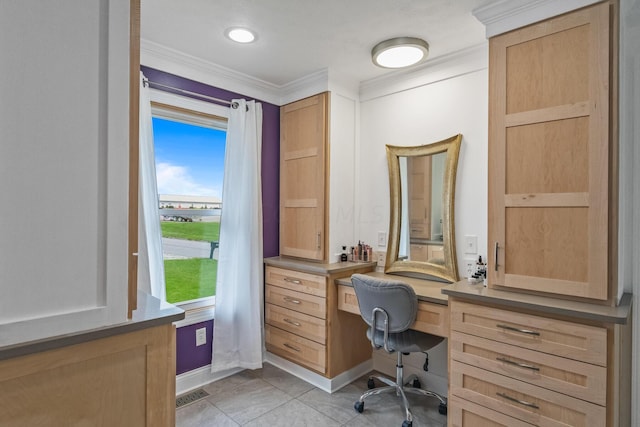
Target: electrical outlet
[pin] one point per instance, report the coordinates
(380, 258)
(470, 266)
(201, 336)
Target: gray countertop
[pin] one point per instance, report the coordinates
(544, 304)
(151, 312)
(315, 267)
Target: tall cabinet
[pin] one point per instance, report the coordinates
(303, 177)
(548, 342)
(550, 154)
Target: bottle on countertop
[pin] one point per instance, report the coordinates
(343, 255)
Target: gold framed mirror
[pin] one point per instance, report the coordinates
(422, 182)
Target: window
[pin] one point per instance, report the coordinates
(189, 150)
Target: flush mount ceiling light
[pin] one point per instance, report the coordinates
(400, 52)
(240, 35)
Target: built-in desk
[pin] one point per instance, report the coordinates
(433, 309)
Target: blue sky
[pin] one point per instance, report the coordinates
(189, 158)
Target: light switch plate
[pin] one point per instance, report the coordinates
(382, 238)
(470, 244)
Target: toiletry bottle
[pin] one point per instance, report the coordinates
(343, 256)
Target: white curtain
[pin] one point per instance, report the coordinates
(150, 262)
(238, 326)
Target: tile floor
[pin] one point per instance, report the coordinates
(271, 397)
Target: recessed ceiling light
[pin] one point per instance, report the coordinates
(400, 52)
(240, 35)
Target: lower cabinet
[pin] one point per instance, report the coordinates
(514, 369)
(121, 380)
(303, 324)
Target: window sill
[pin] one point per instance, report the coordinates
(197, 312)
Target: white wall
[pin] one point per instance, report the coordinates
(419, 116)
(454, 102)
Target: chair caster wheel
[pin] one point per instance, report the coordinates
(407, 423)
(442, 409)
(371, 384)
(359, 406)
(416, 383)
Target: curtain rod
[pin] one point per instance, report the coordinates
(149, 83)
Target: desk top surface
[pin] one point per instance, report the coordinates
(426, 290)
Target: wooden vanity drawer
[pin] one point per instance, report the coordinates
(577, 379)
(463, 413)
(521, 400)
(567, 339)
(297, 301)
(301, 324)
(431, 318)
(295, 348)
(297, 281)
(347, 300)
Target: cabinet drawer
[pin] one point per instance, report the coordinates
(297, 349)
(297, 301)
(523, 401)
(347, 300)
(463, 413)
(431, 318)
(297, 323)
(567, 339)
(297, 281)
(577, 379)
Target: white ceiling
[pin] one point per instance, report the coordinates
(299, 37)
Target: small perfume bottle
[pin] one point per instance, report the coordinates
(343, 256)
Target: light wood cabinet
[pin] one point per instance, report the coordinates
(303, 178)
(537, 369)
(551, 156)
(303, 323)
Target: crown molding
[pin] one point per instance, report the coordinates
(304, 87)
(441, 68)
(175, 62)
(506, 15)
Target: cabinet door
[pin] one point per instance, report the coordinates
(64, 166)
(549, 154)
(303, 136)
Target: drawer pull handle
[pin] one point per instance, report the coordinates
(520, 365)
(495, 259)
(292, 347)
(513, 399)
(291, 300)
(522, 331)
(295, 281)
(291, 322)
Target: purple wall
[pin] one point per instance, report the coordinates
(190, 357)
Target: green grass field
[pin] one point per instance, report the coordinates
(193, 278)
(204, 231)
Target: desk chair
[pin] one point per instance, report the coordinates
(390, 308)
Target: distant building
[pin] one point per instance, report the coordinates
(189, 202)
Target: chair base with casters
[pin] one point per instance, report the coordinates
(400, 388)
(389, 308)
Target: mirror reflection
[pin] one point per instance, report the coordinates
(421, 231)
(422, 178)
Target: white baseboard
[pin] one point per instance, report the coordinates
(200, 377)
(327, 384)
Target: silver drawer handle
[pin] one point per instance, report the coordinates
(291, 322)
(290, 280)
(520, 365)
(513, 399)
(294, 348)
(291, 300)
(522, 331)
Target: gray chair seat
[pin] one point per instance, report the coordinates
(409, 341)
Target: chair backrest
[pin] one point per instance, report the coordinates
(395, 297)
